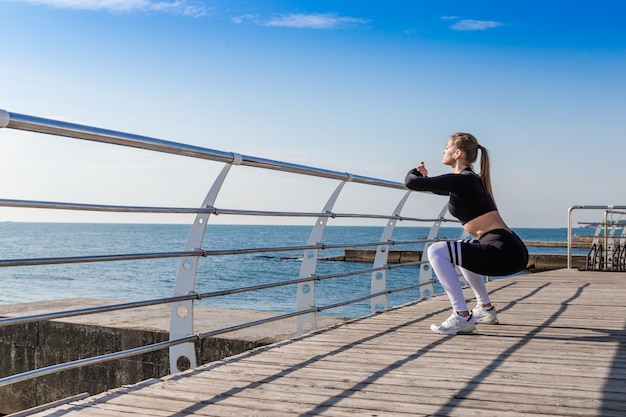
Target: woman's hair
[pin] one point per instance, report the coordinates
(469, 145)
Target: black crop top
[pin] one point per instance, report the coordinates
(468, 196)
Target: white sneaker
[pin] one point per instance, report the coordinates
(485, 315)
(455, 325)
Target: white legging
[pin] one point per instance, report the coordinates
(439, 256)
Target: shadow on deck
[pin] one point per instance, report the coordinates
(559, 351)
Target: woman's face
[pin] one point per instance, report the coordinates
(449, 153)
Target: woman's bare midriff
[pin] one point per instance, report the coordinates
(485, 223)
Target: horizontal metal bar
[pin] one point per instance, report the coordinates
(370, 296)
(610, 207)
(96, 258)
(362, 271)
(191, 296)
(77, 131)
(202, 253)
(221, 293)
(329, 215)
(137, 351)
(311, 310)
(320, 246)
(93, 360)
(138, 256)
(53, 205)
(93, 310)
(604, 223)
(302, 312)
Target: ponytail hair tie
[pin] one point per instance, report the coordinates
(479, 147)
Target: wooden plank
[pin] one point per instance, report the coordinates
(559, 351)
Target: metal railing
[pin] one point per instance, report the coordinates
(606, 251)
(182, 336)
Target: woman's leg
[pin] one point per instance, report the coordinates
(442, 257)
(478, 285)
(475, 253)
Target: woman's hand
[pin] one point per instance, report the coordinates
(421, 168)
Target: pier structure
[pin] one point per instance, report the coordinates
(608, 246)
(556, 352)
(186, 338)
(347, 346)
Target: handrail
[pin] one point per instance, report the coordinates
(205, 210)
(77, 131)
(203, 253)
(181, 338)
(570, 211)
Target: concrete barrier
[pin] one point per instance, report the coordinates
(24, 347)
(36, 345)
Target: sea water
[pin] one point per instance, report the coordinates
(154, 278)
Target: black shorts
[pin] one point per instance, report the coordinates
(498, 252)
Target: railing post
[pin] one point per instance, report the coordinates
(569, 237)
(305, 297)
(183, 356)
(607, 247)
(379, 278)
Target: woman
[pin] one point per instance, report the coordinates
(497, 252)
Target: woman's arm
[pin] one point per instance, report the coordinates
(442, 184)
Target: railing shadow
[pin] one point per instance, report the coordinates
(320, 408)
(612, 390)
(457, 398)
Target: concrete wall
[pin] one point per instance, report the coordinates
(36, 345)
(24, 347)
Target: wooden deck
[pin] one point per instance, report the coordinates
(560, 350)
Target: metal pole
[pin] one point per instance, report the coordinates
(569, 237)
(76, 131)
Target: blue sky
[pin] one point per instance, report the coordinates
(366, 87)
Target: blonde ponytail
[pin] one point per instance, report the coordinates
(469, 145)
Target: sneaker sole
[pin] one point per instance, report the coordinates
(487, 321)
(463, 331)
